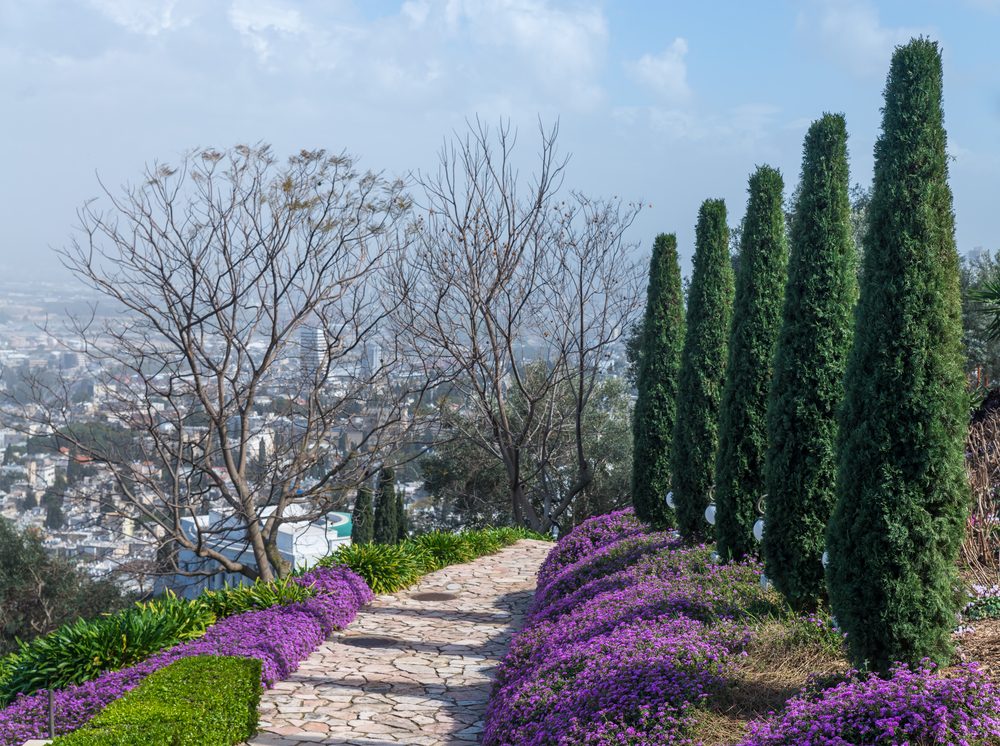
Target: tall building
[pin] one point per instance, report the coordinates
(313, 349)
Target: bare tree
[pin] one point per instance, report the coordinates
(249, 352)
(502, 274)
(596, 295)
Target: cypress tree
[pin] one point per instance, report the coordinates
(703, 370)
(807, 384)
(363, 517)
(402, 523)
(902, 495)
(386, 510)
(653, 417)
(760, 289)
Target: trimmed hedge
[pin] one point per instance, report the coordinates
(202, 700)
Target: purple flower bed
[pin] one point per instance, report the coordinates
(601, 685)
(623, 639)
(592, 534)
(618, 554)
(630, 633)
(910, 707)
(280, 637)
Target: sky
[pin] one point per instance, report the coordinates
(667, 103)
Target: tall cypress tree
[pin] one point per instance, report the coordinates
(703, 371)
(386, 510)
(653, 417)
(402, 522)
(807, 384)
(760, 290)
(902, 495)
(363, 517)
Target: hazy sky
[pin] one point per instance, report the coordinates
(665, 101)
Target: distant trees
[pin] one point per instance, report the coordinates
(386, 509)
(902, 494)
(363, 517)
(807, 384)
(39, 593)
(979, 276)
(213, 273)
(760, 287)
(702, 371)
(656, 403)
(467, 485)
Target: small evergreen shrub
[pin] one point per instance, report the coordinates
(385, 567)
(259, 595)
(444, 548)
(483, 542)
(193, 701)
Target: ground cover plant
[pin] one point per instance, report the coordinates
(646, 640)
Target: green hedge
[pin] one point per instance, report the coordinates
(203, 701)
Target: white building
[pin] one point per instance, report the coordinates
(300, 544)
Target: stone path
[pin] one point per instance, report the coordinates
(415, 666)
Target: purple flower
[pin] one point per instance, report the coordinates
(909, 706)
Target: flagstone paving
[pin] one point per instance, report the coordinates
(415, 666)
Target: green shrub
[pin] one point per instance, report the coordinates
(444, 548)
(385, 567)
(511, 534)
(983, 608)
(78, 652)
(902, 491)
(207, 700)
(259, 595)
(483, 542)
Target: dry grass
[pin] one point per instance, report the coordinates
(982, 644)
(778, 664)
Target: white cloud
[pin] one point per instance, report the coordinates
(260, 22)
(563, 46)
(850, 32)
(665, 73)
(149, 17)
